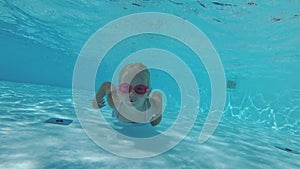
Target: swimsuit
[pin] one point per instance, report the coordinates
(117, 114)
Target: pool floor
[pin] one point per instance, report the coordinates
(28, 142)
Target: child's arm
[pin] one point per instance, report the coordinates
(106, 89)
(156, 101)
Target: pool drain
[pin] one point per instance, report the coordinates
(287, 150)
(59, 121)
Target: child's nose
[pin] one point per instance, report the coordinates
(132, 93)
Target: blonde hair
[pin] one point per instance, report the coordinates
(136, 69)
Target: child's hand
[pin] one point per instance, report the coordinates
(100, 103)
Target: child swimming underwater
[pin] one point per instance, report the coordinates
(130, 100)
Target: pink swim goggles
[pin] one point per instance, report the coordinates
(138, 89)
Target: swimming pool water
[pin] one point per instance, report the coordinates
(258, 46)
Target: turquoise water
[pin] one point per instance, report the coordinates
(258, 47)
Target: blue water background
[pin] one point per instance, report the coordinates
(41, 40)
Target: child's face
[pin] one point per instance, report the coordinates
(133, 97)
